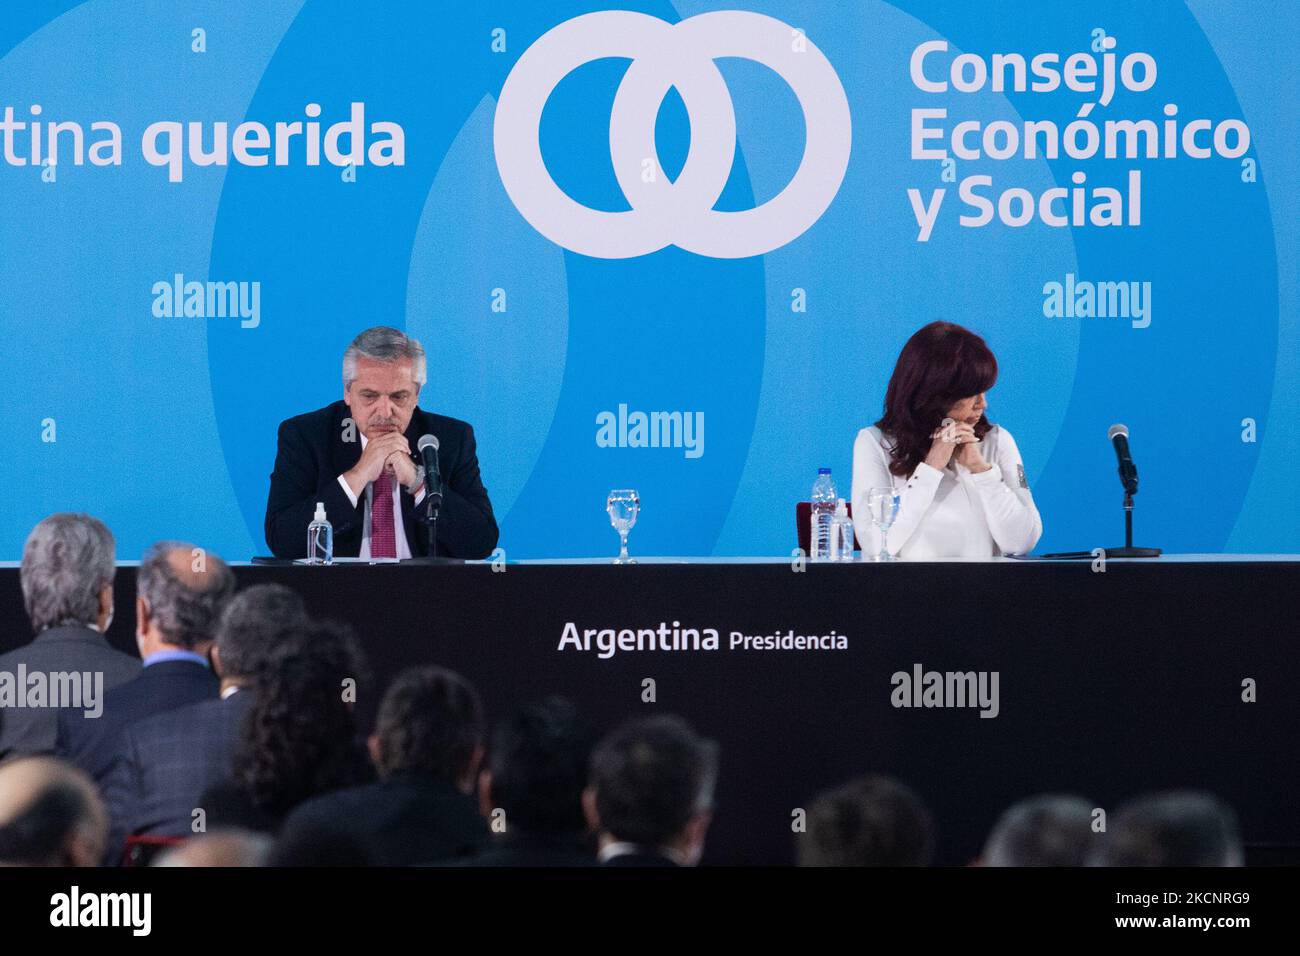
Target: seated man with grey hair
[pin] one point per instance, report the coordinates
(67, 581)
(355, 458)
(181, 590)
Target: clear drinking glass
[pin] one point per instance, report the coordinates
(883, 505)
(623, 505)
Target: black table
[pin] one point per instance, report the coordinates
(1110, 683)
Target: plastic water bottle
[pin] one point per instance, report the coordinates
(823, 514)
(842, 533)
(320, 538)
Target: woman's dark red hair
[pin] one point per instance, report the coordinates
(940, 365)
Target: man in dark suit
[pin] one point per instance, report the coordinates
(180, 591)
(167, 761)
(428, 744)
(355, 458)
(67, 581)
(651, 793)
(532, 789)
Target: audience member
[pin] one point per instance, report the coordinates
(427, 744)
(67, 582)
(1048, 830)
(1181, 828)
(650, 796)
(871, 821)
(50, 814)
(537, 770)
(167, 761)
(222, 848)
(180, 592)
(299, 738)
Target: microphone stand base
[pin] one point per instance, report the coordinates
(1129, 552)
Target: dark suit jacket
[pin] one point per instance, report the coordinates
(164, 765)
(401, 821)
(32, 730)
(311, 455)
(94, 744)
(525, 849)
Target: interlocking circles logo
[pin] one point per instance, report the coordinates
(680, 212)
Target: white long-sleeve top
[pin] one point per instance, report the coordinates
(949, 513)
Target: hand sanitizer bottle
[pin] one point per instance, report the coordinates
(320, 538)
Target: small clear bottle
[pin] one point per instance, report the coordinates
(320, 538)
(842, 533)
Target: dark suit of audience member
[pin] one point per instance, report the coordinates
(67, 582)
(180, 591)
(299, 738)
(651, 793)
(427, 746)
(170, 759)
(167, 761)
(94, 745)
(71, 648)
(403, 819)
(537, 770)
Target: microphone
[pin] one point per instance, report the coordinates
(1128, 473)
(428, 448)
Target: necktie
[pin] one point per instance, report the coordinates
(383, 538)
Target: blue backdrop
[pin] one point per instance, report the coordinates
(165, 427)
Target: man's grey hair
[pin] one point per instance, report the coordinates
(384, 344)
(1049, 830)
(185, 612)
(67, 561)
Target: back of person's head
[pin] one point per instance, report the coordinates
(537, 768)
(650, 779)
(871, 821)
(299, 737)
(1049, 830)
(1181, 828)
(430, 723)
(50, 814)
(231, 847)
(184, 589)
(251, 624)
(68, 561)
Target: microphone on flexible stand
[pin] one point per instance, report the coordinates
(427, 446)
(1128, 476)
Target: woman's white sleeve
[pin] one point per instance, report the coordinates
(871, 470)
(1009, 508)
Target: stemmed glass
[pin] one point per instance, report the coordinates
(623, 505)
(883, 505)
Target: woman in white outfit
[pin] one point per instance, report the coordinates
(961, 482)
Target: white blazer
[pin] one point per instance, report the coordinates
(950, 513)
